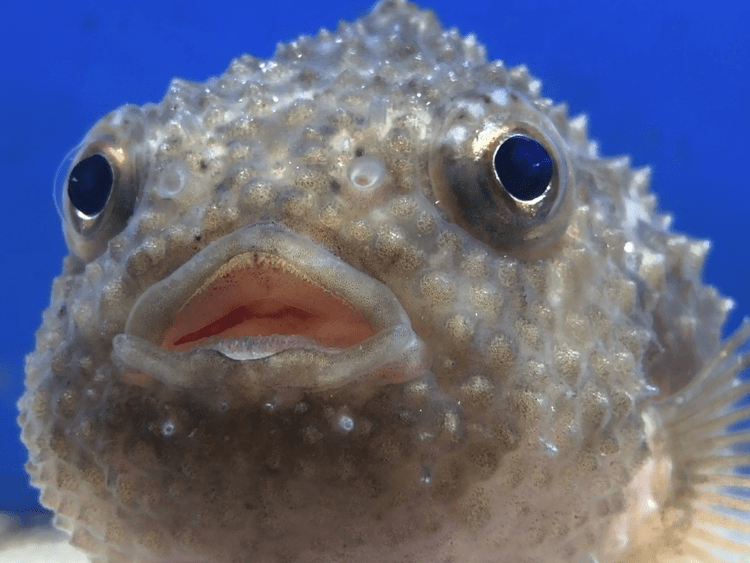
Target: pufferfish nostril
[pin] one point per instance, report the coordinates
(524, 167)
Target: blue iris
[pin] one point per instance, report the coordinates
(524, 167)
(89, 184)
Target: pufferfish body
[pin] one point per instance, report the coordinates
(376, 299)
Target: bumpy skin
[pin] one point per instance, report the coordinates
(541, 352)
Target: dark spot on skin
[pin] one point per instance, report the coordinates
(308, 76)
(408, 50)
(335, 186)
(359, 151)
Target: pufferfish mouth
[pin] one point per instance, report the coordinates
(266, 309)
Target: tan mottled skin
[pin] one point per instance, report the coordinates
(529, 432)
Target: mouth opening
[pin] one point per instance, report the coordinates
(258, 295)
(263, 308)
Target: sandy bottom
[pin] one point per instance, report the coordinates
(46, 545)
(37, 545)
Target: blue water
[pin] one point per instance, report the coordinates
(667, 82)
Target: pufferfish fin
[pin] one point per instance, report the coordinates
(708, 423)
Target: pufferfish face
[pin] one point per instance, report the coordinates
(374, 299)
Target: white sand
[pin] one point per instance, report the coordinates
(42, 552)
(36, 545)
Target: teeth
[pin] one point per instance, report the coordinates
(251, 365)
(253, 348)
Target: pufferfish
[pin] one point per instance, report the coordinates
(377, 300)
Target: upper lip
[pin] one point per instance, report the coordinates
(264, 309)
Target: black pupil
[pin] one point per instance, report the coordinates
(89, 184)
(524, 167)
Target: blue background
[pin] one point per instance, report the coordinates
(667, 82)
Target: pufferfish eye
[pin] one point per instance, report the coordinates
(523, 167)
(501, 172)
(99, 193)
(90, 184)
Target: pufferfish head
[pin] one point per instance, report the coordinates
(374, 299)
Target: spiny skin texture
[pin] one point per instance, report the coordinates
(523, 420)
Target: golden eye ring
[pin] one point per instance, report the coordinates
(99, 197)
(491, 203)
